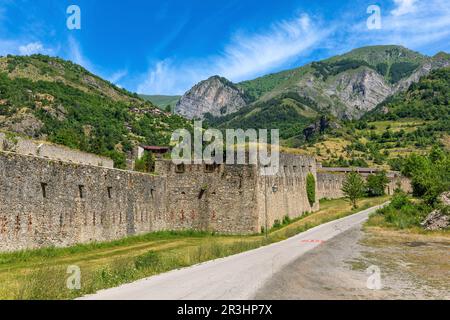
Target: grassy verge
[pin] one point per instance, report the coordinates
(41, 274)
(404, 214)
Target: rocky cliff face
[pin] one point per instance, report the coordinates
(346, 86)
(215, 96)
(440, 60)
(359, 91)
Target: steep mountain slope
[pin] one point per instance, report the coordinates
(162, 101)
(215, 96)
(427, 99)
(345, 86)
(410, 121)
(49, 98)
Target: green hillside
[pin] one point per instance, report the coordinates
(393, 62)
(49, 98)
(297, 101)
(161, 101)
(288, 112)
(412, 121)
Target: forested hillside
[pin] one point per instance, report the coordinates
(408, 122)
(49, 98)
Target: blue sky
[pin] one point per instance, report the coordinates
(165, 47)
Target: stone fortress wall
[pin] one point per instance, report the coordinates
(286, 191)
(50, 202)
(330, 181)
(47, 202)
(329, 185)
(51, 151)
(53, 203)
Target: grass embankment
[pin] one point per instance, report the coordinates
(41, 274)
(403, 215)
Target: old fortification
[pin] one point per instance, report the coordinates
(330, 181)
(44, 149)
(46, 202)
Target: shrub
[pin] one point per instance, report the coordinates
(400, 200)
(430, 175)
(146, 163)
(401, 213)
(311, 189)
(376, 184)
(277, 224)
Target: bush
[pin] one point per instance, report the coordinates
(430, 175)
(401, 213)
(311, 189)
(376, 184)
(408, 216)
(277, 224)
(146, 163)
(400, 200)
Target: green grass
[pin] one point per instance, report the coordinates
(402, 213)
(41, 274)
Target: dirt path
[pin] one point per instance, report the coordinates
(412, 267)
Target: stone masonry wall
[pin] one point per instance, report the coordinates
(54, 203)
(290, 197)
(217, 197)
(330, 184)
(51, 151)
(46, 202)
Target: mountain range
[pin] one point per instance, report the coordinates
(345, 86)
(367, 106)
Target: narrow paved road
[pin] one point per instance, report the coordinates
(233, 278)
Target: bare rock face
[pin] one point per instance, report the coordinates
(438, 220)
(445, 198)
(360, 91)
(24, 123)
(216, 96)
(434, 63)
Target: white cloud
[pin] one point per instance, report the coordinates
(249, 55)
(163, 78)
(33, 48)
(76, 55)
(117, 76)
(421, 25)
(404, 7)
(245, 56)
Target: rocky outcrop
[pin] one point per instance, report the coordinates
(216, 96)
(346, 86)
(436, 62)
(439, 218)
(360, 91)
(436, 221)
(319, 127)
